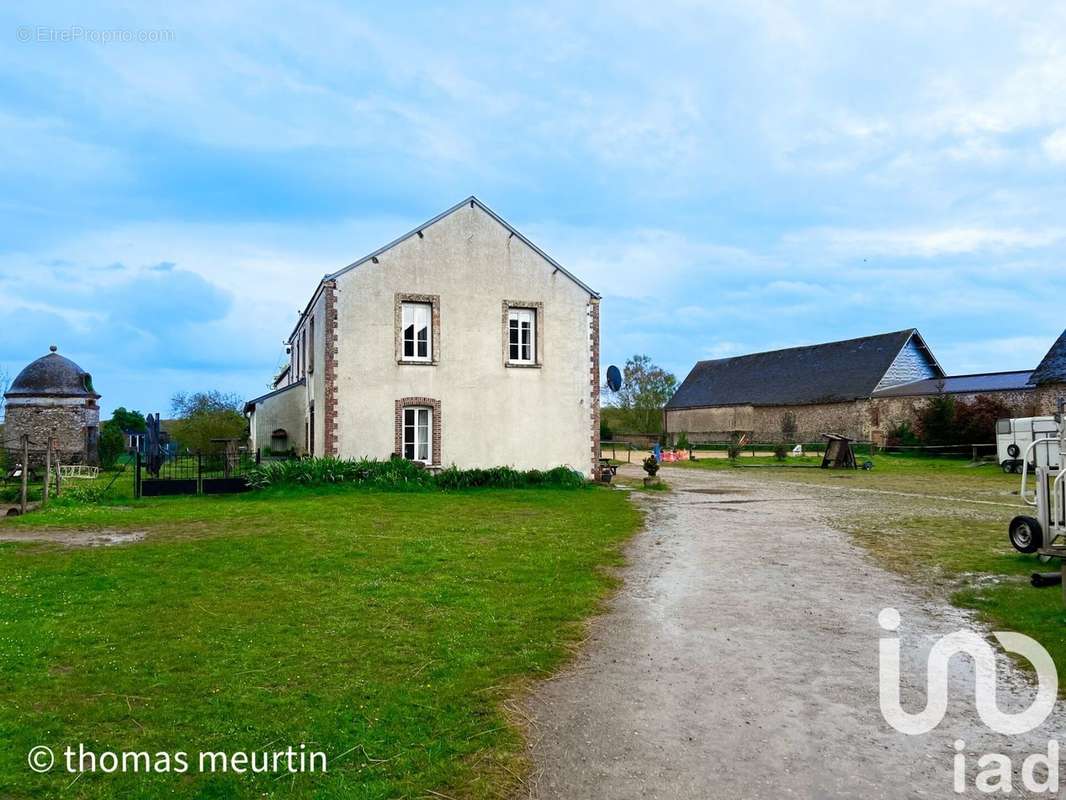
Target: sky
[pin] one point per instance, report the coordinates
(732, 177)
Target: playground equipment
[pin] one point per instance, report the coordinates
(1045, 533)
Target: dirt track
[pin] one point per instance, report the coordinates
(740, 660)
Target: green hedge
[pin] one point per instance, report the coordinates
(399, 474)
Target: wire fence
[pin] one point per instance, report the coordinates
(29, 471)
(977, 451)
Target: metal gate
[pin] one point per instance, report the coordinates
(193, 473)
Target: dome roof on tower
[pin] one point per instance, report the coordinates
(52, 375)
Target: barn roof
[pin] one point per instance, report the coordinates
(822, 373)
(961, 384)
(1053, 368)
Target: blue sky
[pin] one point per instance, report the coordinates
(731, 176)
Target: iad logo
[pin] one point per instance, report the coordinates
(984, 661)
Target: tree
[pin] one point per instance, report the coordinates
(975, 422)
(938, 421)
(111, 444)
(185, 404)
(646, 388)
(132, 421)
(204, 416)
(948, 421)
(5, 383)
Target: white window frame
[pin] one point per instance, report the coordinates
(414, 315)
(421, 429)
(526, 350)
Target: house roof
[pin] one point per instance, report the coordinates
(470, 201)
(822, 373)
(278, 378)
(251, 404)
(961, 384)
(1053, 368)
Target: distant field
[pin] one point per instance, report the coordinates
(388, 630)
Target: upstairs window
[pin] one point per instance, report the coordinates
(522, 336)
(303, 350)
(417, 337)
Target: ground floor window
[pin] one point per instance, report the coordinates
(418, 424)
(417, 434)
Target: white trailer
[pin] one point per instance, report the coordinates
(1013, 437)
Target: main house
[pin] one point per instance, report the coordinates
(461, 342)
(862, 388)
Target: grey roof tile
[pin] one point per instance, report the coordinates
(1053, 368)
(822, 373)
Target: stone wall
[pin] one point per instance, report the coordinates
(709, 424)
(765, 422)
(74, 426)
(846, 419)
(859, 419)
(886, 413)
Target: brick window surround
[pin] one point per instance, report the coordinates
(419, 402)
(432, 300)
(538, 333)
(594, 383)
(329, 367)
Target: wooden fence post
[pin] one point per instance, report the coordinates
(47, 472)
(25, 471)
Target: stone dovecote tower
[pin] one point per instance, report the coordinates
(54, 397)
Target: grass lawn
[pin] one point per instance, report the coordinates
(948, 547)
(387, 630)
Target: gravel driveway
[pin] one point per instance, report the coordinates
(740, 660)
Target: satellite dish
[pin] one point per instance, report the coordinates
(614, 378)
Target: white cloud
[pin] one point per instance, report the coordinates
(927, 243)
(1055, 146)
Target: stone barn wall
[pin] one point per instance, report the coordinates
(75, 426)
(846, 419)
(709, 424)
(717, 424)
(859, 419)
(885, 413)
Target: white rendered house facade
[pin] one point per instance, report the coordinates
(459, 343)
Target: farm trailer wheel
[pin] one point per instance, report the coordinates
(1025, 534)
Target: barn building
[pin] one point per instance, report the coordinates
(862, 388)
(54, 398)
